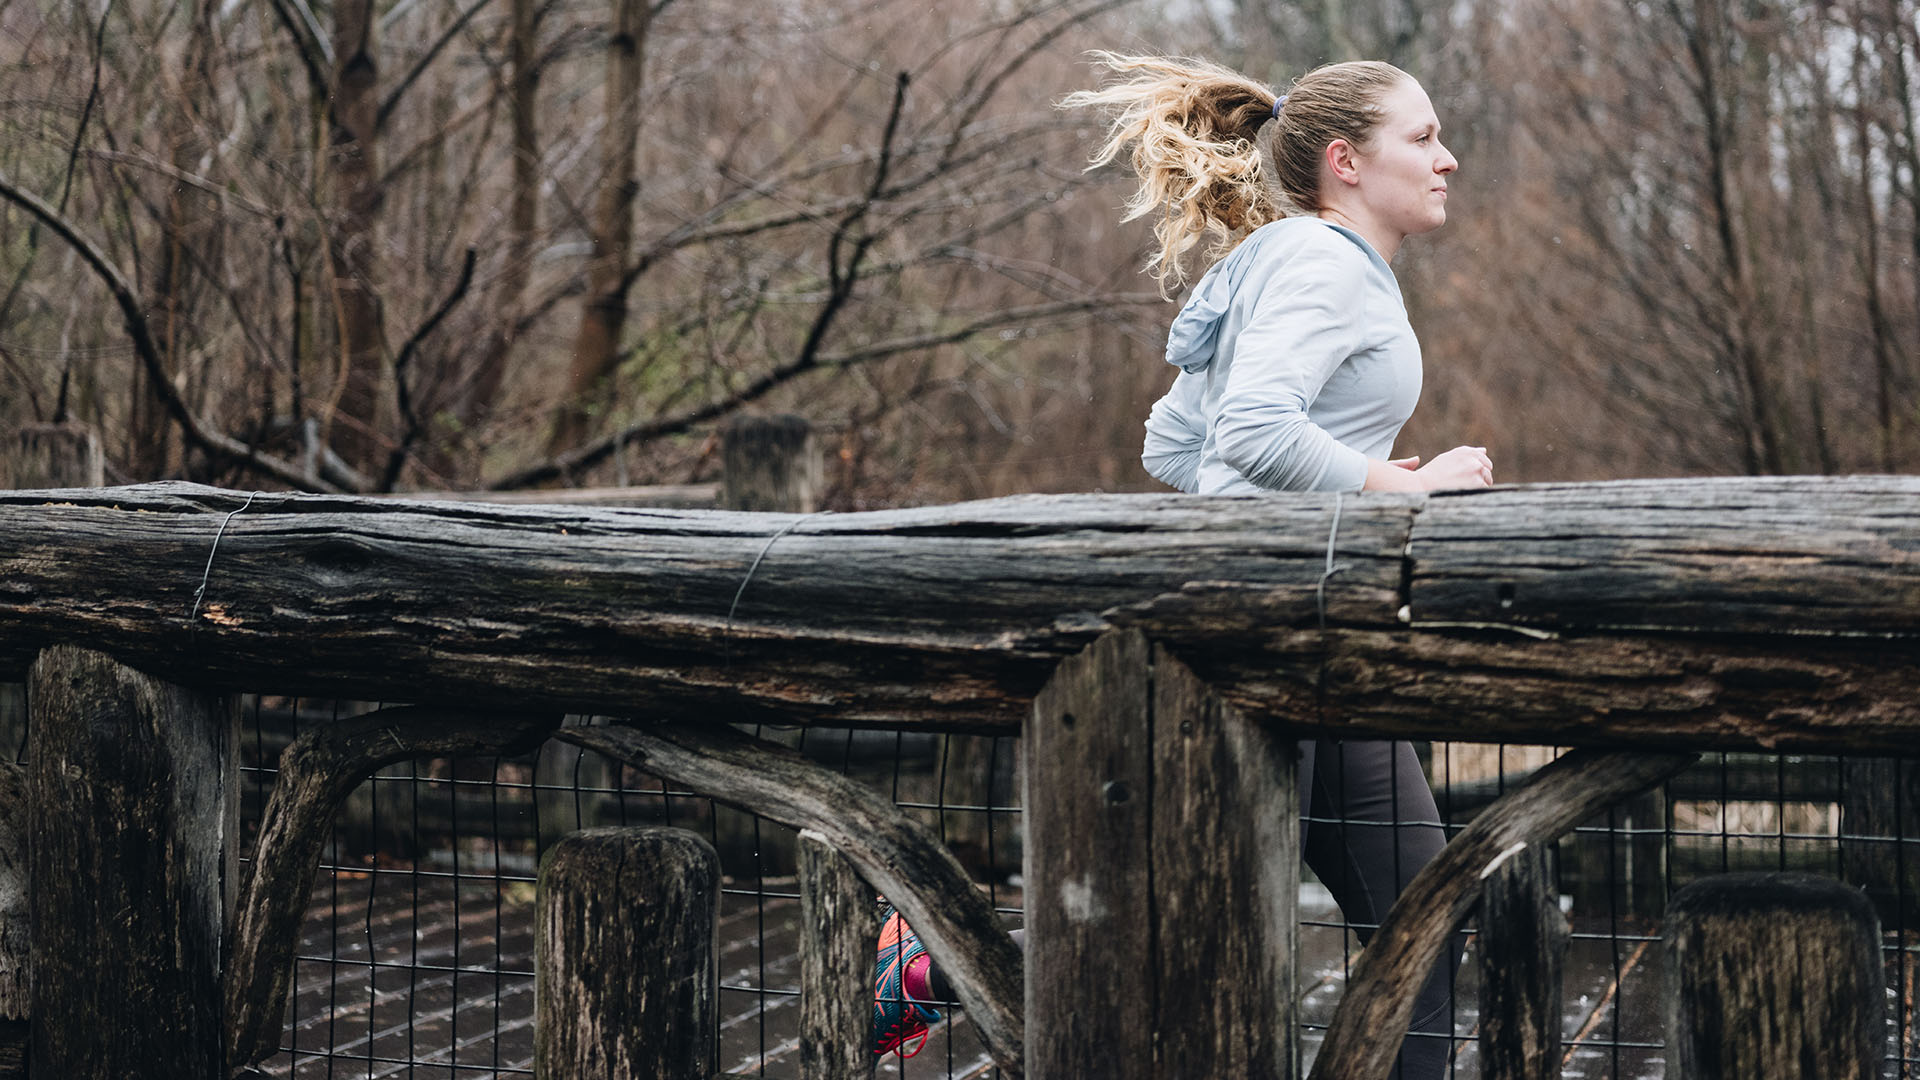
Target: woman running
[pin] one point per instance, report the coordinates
(1298, 368)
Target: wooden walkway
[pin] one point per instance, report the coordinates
(401, 977)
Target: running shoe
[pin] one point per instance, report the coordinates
(898, 1019)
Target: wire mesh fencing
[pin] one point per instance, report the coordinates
(416, 956)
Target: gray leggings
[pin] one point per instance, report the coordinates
(1368, 823)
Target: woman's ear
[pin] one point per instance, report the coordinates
(1340, 162)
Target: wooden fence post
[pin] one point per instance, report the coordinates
(41, 456)
(1523, 939)
(52, 456)
(1644, 859)
(1880, 799)
(627, 985)
(16, 930)
(132, 803)
(1773, 975)
(839, 923)
(771, 463)
(1162, 866)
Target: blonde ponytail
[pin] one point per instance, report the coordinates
(1192, 125)
(1194, 128)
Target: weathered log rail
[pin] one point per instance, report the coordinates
(1157, 654)
(1776, 614)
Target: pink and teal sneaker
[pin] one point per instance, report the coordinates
(898, 1019)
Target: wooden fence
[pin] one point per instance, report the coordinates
(1159, 657)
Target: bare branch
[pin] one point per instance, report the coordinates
(132, 310)
(73, 155)
(399, 90)
(398, 458)
(597, 451)
(224, 194)
(309, 42)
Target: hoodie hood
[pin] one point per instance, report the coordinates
(1195, 333)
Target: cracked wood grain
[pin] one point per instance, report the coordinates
(1772, 613)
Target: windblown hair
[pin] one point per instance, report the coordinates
(1194, 128)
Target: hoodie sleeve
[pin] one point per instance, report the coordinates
(1306, 322)
(1176, 430)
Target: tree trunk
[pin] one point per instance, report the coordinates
(360, 420)
(603, 312)
(490, 365)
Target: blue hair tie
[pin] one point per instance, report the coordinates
(1277, 102)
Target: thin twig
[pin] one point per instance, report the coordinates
(398, 458)
(316, 53)
(597, 451)
(73, 156)
(133, 311)
(393, 97)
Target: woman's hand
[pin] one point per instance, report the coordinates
(1461, 468)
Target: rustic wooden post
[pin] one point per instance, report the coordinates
(1773, 975)
(570, 790)
(16, 940)
(1645, 854)
(1523, 940)
(41, 456)
(1880, 798)
(53, 456)
(839, 922)
(627, 985)
(1162, 865)
(132, 799)
(771, 463)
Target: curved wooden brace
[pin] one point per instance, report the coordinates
(1395, 963)
(318, 771)
(895, 854)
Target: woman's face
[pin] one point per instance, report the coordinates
(1404, 169)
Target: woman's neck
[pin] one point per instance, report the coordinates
(1384, 241)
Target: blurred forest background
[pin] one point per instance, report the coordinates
(460, 244)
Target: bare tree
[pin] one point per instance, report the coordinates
(603, 311)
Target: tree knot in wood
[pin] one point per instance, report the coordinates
(340, 555)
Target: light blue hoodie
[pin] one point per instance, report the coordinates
(1297, 365)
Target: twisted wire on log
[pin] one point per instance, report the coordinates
(1754, 613)
(318, 771)
(893, 852)
(1380, 992)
